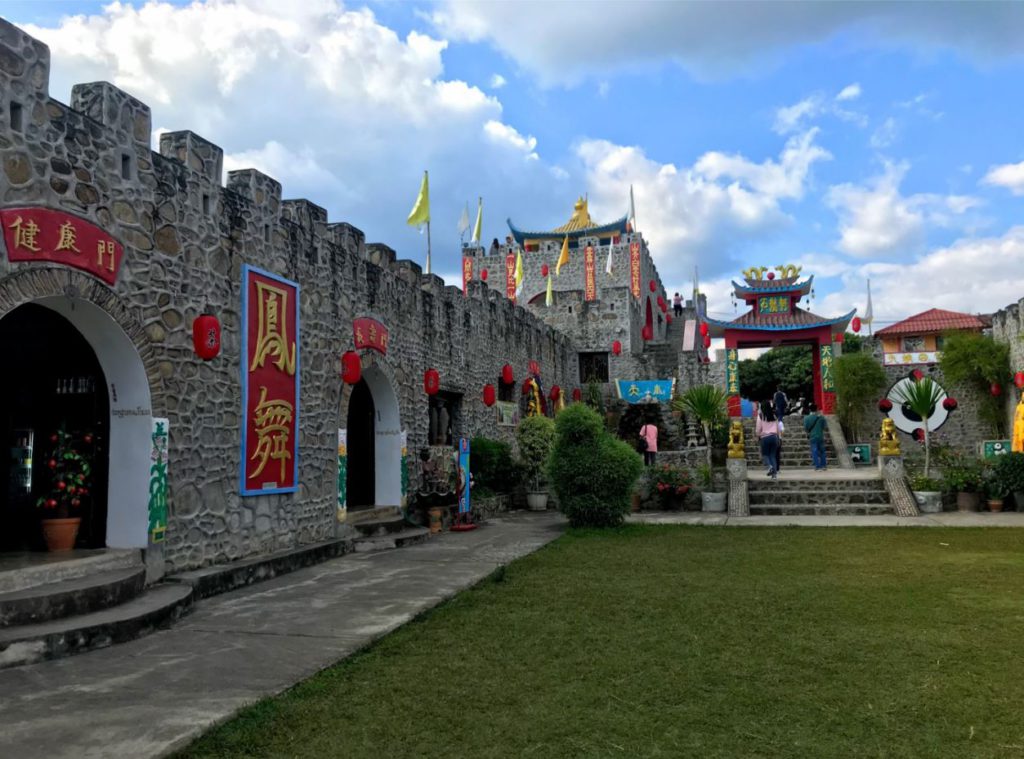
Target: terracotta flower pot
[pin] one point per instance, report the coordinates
(995, 504)
(966, 501)
(60, 534)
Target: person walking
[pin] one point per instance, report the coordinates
(781, 403)
(677, 304)
(815, 423)
(649, 434)
(767, 430)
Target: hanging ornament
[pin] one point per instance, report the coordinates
(950, 404)
(351, 367)
(1018, 380)
(855, 324)
(488, 395)
(771, 275)
(839, 337)
(647, 333)
(206, 336)
(544, 270)
(555, 392)
(668, 318)
(617, 347)
(652, 285)
(707, 341)
(527, 383)
(918, 434)
(507, 375)
(885, 405)
(704, 329)
(917, 374)
(483, 275)
(996, 389)
(431, 382)
(577, 395)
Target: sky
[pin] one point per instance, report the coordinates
(857, 140)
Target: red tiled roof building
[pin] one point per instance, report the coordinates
(918, 338)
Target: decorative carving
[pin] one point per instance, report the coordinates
(888, 443)
(736, 447)
(788, 271)
(754, 272)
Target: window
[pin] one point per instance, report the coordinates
(594, 366)
(940, 341)
(913, 344)
(126, 166)
(445, 421)
(266, 233)
(206, 203)
(505, 392)
(16, 116)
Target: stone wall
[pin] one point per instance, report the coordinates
(1008, 327)
(186, 238)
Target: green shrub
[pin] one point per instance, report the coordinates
(492, 466)
(978, 361)
(592, 472)
(1008, 470)
(535, 436)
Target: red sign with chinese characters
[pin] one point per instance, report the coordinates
(370, 333)
(590, 274)
(270, 383)
(634, 269)
(467, 273)
(510, 276)
(40, 234)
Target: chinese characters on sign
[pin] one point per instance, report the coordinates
(158, 481)
(467, 273)
(370, 333)
(590, 273)
(463, 489)
(921, 357)
(645, 391)
(732, 371)
(828, 382)
(510, 276)
(773, 304)
(634, 269)
(270, 383)
(39, 234)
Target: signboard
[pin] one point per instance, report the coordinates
(860, 453)
(773, 304)
(508, 413)
(405, 466)
(462, 489)
(634, 269)
(917, 357)
(371, 334)
(467, 272)
(342, 475)
(40, 234)
(732, 371)
(645, 391)
(270, 383)
(992, 448)
(158, 480)
(510, 276)
(828, 380)
(590, 273)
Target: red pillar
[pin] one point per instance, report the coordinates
(819, 396)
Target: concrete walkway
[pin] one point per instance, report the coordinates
(152, 696)
(945, 519)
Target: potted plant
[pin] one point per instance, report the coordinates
(928, 493)
(69, 481)
(921, 397)
(1008, 469)
(706, 403)
(963, 476)
(995, 492)
(672, 484)
(535, 436)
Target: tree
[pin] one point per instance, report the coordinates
(789, 366)
(706, 403)
(853, 343)
(921, 397)
(859, 378)
(978, 362)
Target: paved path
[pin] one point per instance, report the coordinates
(151, 696)
(945, 519)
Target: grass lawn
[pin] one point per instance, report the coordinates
(688, 641)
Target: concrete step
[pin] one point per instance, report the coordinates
(820, 509)
(381, 524)
(26, 570)
(79, 595)
(817, 486)
(785, 495)
(387, 541)
(156, 607)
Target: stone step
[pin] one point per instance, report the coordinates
(406, 537)
(26, 570)
(156, 607)
(820, 509)
(785, 495)
(382, 525)
(79, 595)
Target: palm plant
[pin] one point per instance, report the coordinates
(707, 404)
(921, 397)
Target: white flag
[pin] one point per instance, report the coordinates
(632, 210)
(869, 314)
(608, 264)
(464, 221)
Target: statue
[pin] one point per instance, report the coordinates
(736, 447)
(888, 443)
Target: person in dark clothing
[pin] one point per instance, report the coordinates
(766, 427)
(815, 423)
(677, 305)
(781, 403)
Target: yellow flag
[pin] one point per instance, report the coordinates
(550, 297)
(519, 270)
(564, 257)
(421, 211)
(478, 228)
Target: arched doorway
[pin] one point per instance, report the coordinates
(374, 443)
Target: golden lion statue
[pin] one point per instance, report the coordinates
(888, 443)
(736, 449)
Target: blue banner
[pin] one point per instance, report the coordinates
(463, 475)
(645, 391)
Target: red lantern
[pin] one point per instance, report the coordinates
(855, 324)
(617, 347)
(839, 338)
(996, 389)
(577, 395)
(555, 392)
(885, 405)
(527, 383)
(950, 404)
(507, 375)
(206, 336)
(707, 341)
(918, 434)
(647, 333)
(917, 374)
(488, 395)
(544, 270)
(483, 275)
(1018, 379)
(704, 329)
(653, 285)
(351, 367)
(771, 275)
(431, 382)
(668, 318)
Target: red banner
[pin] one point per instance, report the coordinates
(467, 273)
(39, 234)
(270, 383)
(510, 276)
(634, 269)
(370, 333)
(590, 274)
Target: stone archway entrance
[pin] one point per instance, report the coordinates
(374, 443)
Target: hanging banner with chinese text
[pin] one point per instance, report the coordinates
(158, 480)
(510, 276)
(828, 381)
(634, 269)
(645, 391)
(270, 383)
(590, 273)
(463, 486)
(732, 371)
(370, 333)
(467, 273)
(39, 234)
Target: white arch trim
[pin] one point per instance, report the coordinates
(131, 419)
(387, 439)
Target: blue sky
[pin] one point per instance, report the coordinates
(858, 140)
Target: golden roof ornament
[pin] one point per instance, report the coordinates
(580, 218)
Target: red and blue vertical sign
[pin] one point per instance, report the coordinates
(464, 475)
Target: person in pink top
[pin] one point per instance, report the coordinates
(649, 433)
(767, 430)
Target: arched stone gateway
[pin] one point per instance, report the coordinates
(374, 472)
(95, 313)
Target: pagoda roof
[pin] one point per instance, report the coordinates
(799, 319)
(772, 286)
(579, 224)
(933, 320)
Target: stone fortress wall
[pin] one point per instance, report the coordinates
(186, 237)
(1008, 327)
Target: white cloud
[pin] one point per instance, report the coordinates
(885, 135)
(877, 220)
(498, 81)
(1009, 175)
(793, 118)
(603, 88)
(503, 134)
(849, 92)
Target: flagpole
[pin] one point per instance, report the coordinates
(428, 246)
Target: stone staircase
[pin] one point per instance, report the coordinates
(664, 354)
(383, 528)
(810, 494)
(796, 448)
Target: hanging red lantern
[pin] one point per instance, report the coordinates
(950, 404)
(544, 270)
(885, 405)
(617, 347)
(1018, 379)
(771, 275)
(527, 383)
(206, 336)
(431, 382)
(707, 341)
(556, 391)
(661, 302)
(996, 389)
(668, 318)
(839, 338)
(488, 395)
(653, 285)
(351, 367)
(483, 275)
(704, 329)
(917, 374)
(647, 333)
(577, 395)
(507, 375)
(855, 324)
(918, 434)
